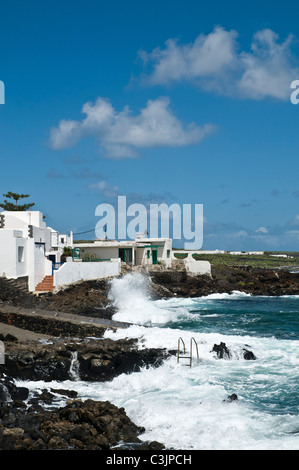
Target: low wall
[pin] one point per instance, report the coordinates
(198, 267)
(75, 271)
(192, 265)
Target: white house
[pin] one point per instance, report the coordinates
(59, 241)
(141, 251)
(24, 242)
(26, 247)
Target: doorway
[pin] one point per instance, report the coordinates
(155, 256)
(125, 254)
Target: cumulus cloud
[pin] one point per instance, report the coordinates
(215, 62)
(208, 56)
(268, 69)
(107, 190)
(122, 134)
(230, 236)
(294, 221)
(261, 230)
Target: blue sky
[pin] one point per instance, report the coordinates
(182, 102)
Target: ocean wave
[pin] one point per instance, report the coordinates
(234, 295)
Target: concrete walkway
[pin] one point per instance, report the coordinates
(27, 335)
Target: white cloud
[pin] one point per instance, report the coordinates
(215, 62)
(207, 56)
(122, 134)
(261, 230)
(294, 221)
(107, 190)
(230, 236)
(241, 233)
(268, 69)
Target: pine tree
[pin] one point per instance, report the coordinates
(10, 206)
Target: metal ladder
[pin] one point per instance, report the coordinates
(184, 349)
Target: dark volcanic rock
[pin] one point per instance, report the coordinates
(83, 298)
(97, 360)
(49, 325)
(231, 398)
(89, 425)
(225, 279)
(248, 355)
(222, 351)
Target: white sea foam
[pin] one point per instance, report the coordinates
(186, 408)
(234, 295)
(129, 295)
(182, 406)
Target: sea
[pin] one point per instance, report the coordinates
(184, 404)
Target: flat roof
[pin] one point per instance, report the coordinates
(124, 243)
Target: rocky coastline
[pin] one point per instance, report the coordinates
(46, 335)
(46, 346)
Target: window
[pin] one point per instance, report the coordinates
(20, 254)
(148, 254)
(168, 253)
(125, 254)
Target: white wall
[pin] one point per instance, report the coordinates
(42, 236)
(98, 252)
(20, 256)
(192, 265)
(164, 246)
(15, 219)
(75, 271)
(9, 265)
(167, 246)
(38, 266)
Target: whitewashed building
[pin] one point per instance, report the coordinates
(59, 241)
(26, 247)
(141, 251)
(24, 242)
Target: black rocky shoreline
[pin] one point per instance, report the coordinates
(44, 335)
(51, 354)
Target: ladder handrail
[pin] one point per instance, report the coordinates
(191, 354)
(191, 342)
(179, 340)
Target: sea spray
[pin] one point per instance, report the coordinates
(74, 368)
(131, 298)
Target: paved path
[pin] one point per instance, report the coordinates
(27, 335)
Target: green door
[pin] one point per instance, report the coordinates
(155, 256)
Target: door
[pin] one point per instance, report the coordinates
(155, 256)
(125, 254)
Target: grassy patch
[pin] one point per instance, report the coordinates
(260, 261)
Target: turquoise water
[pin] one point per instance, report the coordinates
(186, 407)
(244, 315)
(272, 387)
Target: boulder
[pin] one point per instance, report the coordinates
(222, 351)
